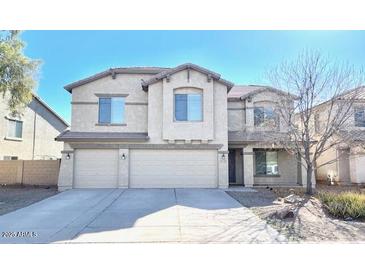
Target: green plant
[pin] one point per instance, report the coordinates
(344, 205)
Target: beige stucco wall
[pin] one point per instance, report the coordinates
(236, 116)
(241, 113)
(161, 126)
(197, 130)
(329, 157)
(153, 112)
(85, 103)
(357, 164)
(47, 126)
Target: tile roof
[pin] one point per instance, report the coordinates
(168, 72)
(240, 92)
(353, 135)
(113, 71)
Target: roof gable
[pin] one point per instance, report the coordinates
(50, 110)
(168, 72)
(242, 92)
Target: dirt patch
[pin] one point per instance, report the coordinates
(15, 197)
(311, 223)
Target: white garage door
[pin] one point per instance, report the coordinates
(97, 168)
(173, 168)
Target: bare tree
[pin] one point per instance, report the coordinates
(325, 93)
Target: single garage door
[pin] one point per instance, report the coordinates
(96, 168)
(173, 168)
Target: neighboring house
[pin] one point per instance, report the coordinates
(172, 127)
(30, 136)
(345, 161)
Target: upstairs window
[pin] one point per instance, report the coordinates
(111, 110)
(15, 129)
(265, 117)
(188, 107)
(360, 117)
(266, 162)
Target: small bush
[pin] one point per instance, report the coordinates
(344, 205)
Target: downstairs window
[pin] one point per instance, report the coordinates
(266, 162)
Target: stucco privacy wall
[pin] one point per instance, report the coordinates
(47, 126)
(29, 172)
(85, 103)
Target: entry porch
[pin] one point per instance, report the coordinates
(259, 165)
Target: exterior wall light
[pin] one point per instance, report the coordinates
(68, 156)
(223, 157)
(123, 156)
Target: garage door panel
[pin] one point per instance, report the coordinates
(96, 168)
(173, 168)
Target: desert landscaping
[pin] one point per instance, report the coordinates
(304, 218)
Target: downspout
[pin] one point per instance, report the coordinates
(245, 119)
(243, 149)
(34, 131)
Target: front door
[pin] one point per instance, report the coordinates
(232, 166)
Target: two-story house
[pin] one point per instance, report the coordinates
(157, 127)
(344, 161)
(31, 135)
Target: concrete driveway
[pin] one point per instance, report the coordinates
(137, 215)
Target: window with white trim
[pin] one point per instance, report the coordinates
(15, 129)
(188, 107)
(266, 162)
(111, 110)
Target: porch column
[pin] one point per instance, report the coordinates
(222, 169)
(248, 166)
(123, 169)
(66, 174)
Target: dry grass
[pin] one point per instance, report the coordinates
(344, 205)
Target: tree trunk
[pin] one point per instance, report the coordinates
(309, 180)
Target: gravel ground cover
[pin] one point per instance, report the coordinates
(311, 223)
(15, 197)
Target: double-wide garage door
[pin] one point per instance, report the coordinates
(147, 168)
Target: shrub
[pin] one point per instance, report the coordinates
(344, 205)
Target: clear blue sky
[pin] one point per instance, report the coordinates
(239, 56)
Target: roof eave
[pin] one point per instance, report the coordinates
(113, 72)
(50, 109)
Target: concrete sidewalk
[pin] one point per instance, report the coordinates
(138, 216)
